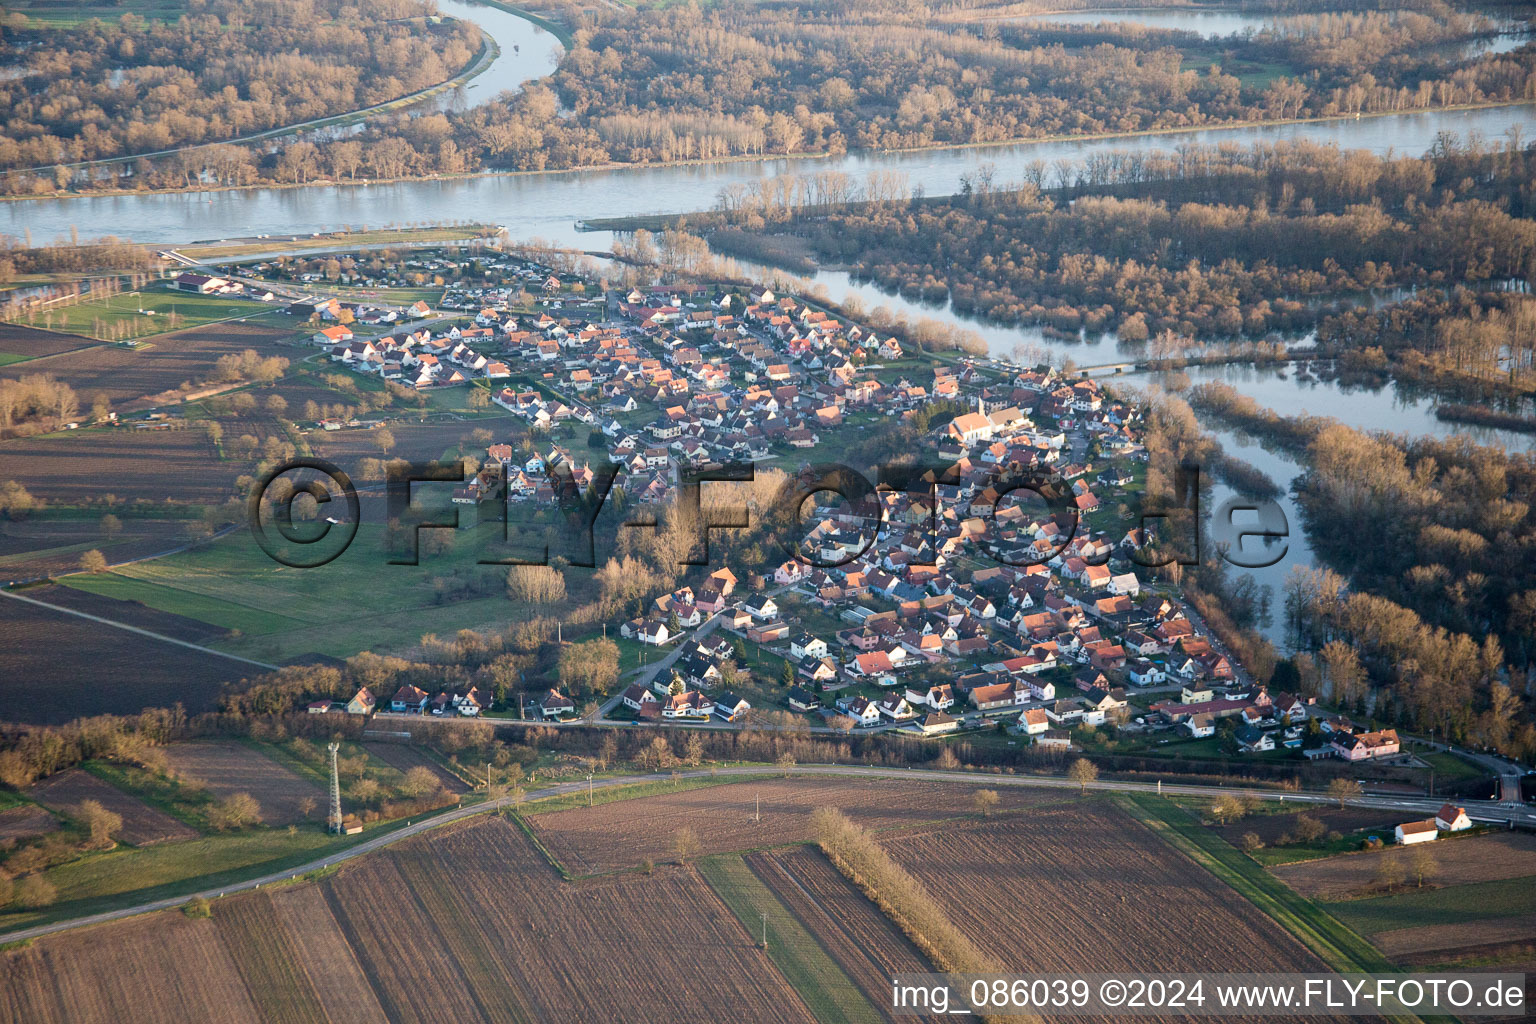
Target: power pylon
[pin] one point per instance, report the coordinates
(333, 820)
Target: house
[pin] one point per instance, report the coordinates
(803, 645)
(731, 707)
(319, 707)
(997, 695)
(1200, 726)
(1034, 722)
(1054, 739)
(637, 697)
(1195, 694)
(1451, 818)
(1253, 740)
(409, 698)
(936, 697)
(688, 704)
(763, 609)
(1411, 832)
(896, 708)
(555, 704)
(862, 710)
(1363, 746)
(363, 702)
(803, 700)
(330, 337)
(936, 723)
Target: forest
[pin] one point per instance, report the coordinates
(1433, 622)
(1206, 245)
(670, 82)
(224, 69)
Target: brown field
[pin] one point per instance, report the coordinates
(318, 944)
(412, 440)
(403, 758)
(1085, 888)
(132, 378)
(160, 968)
(472, 924)
(863, 941)
(1404, 943)
(1270, 827)
(467, 924)
(132, 613)
(154, 465)
(143, 825)
(39, 546)
(91, 669)
(34, 343)
(1486, 858)
(612, 836)
(227, 767)
(26, 822)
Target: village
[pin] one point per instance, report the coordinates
(950, 609)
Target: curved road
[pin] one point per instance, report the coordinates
(1485, 811)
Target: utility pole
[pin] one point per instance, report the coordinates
(589, 789)
(758, 815)
(765, 928)
(333, 820)
(487, 776)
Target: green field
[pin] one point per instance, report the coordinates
(826, 989)
(7, 358)
(104, 316)
(357, 602)
(1453, 904)
(65, 16)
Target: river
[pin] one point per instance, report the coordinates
(528, 52)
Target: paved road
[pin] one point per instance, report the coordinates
(135, 629)
(1480, 810)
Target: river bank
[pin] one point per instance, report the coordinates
(633, 222)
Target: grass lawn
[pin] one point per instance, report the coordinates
(190, 310)
(826, 989)
(1454, 904)
(1451, 769)
(357, 602)
(129, 876)
(7, 358)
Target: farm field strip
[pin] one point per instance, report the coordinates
(124, 585)
(1088, 889)
(96, 670)
(1400, 942)
(568, 950)
(253, 934)
(26, 821)
(863, 942)
(596, 840)
(402, 758)
(816, 976)
(317, 943)
(165, 968)
(1327, 937)
(1456, 904)
(1459, 861)
(143, 825)
(230, 767)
